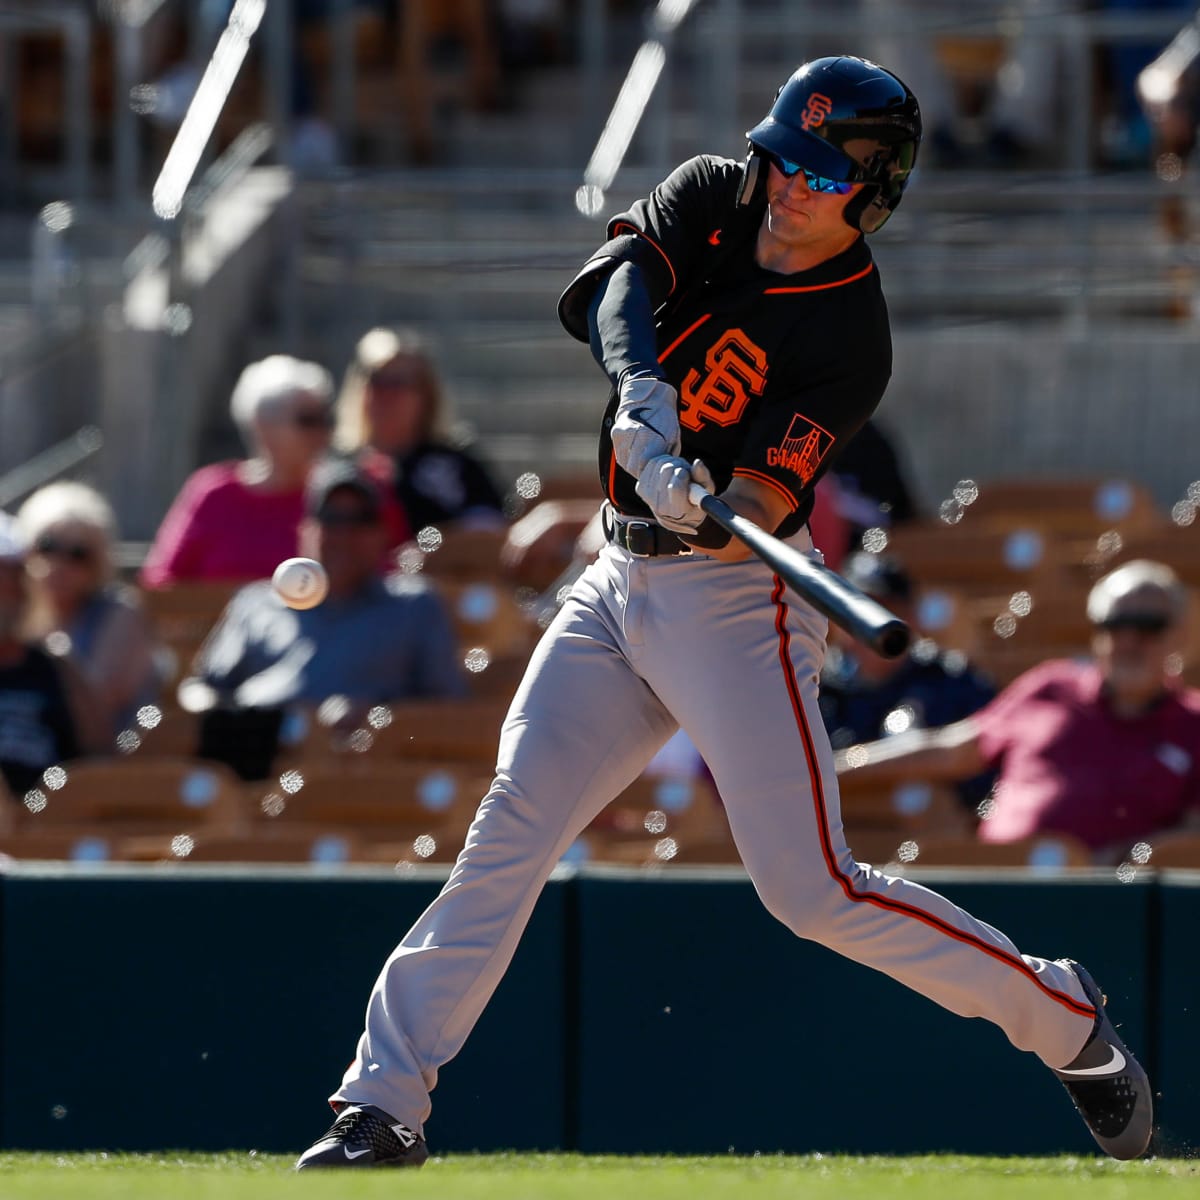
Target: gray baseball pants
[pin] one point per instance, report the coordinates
(722, 649)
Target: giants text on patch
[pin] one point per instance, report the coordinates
(816, 110)
(803, 450)
(734, 370)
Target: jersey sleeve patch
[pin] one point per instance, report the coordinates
(802, 450)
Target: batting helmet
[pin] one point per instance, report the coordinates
(846, 119)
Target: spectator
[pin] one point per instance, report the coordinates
(1107, 751)
(70, 530)
(865, 696)
(371, 641)
(871, 487)
(47, 710)
(236, 521)
(392, 414)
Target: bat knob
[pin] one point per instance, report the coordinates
(893, 639)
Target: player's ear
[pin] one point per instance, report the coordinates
(751, 173)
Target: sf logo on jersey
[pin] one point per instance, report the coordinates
(734, 370)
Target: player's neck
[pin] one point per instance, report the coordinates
(788, 258)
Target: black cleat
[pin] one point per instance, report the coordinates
(1108, 1085)
(365, 1136)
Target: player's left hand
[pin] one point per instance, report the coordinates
(664, 484)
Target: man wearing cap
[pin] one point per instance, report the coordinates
(865, 696)
(47, 711)
(1107, 751)
(374, 639)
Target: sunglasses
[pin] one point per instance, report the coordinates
(1139, 622)
(318, 419)
(815, 182)
(52, 547)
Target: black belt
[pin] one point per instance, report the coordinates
(643, 539)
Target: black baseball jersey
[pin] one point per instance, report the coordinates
(775, 373)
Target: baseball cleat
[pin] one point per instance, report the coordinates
(1108, 1085)
(365, 1136)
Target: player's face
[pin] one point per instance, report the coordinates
(802, 226)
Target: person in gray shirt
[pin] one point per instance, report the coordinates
(374, 639)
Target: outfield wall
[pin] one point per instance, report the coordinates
(150, 1008)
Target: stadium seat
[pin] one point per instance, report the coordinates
(379, 800)
(1064, 507)
(459, 731)
(464, 554)
(137, 796)
(1175, 850)
(486, 615)
(319, 847)
(905, 808)
(1041, 852)
(76, 843)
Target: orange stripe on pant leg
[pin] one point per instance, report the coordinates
(847, 886)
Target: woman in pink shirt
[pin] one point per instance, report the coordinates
(236, 521)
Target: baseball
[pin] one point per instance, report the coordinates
(300, 582)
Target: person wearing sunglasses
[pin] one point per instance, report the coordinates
(1104, 749)
(80, 607)
(49, 712)
(738, 315)
(235, 521)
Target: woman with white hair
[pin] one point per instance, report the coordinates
(236, 521)
(78, 607)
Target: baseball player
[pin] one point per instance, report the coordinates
(739, 315)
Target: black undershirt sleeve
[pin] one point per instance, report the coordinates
(621, 329)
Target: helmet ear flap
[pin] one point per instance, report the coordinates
(753, 179)
(867, 211)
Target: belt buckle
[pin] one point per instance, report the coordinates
(640, 533)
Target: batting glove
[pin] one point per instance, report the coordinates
(664, 484)
(646, 424)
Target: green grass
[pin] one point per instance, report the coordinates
(181, 1176)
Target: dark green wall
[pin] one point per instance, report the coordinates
(642, 1013)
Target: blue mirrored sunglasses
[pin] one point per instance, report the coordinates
(816, 183)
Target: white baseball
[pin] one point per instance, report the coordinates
(300, 582)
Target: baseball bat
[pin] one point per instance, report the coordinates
(861, 616)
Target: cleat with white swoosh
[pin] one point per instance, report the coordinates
(1108, 1085)
(365, 1136)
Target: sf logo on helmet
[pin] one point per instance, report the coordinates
(815, 111)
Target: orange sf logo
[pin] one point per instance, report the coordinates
(818, 108)
(735, 370)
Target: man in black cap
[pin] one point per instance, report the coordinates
(373, 639)
(865, 697)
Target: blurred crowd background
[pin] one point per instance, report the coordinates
(279, 277)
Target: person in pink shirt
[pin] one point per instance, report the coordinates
(1106, 750)
(236, 521)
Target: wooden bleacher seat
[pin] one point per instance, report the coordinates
(1064, 507)
(75, 843)
(904, 808)
(1175, 851)
(139, 796)
(458, 731)
(974, 560)
(1042, 852)
(486, 615)
(182, 617)
(260, 846)
(1177, 546)
(661, 820)
(379, 800)
(172, 734)
(466, 554)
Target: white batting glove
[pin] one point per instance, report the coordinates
(664, 484)
(646, 424)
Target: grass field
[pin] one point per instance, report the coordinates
(575, 1177)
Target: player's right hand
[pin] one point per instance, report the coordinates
(647, 422)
